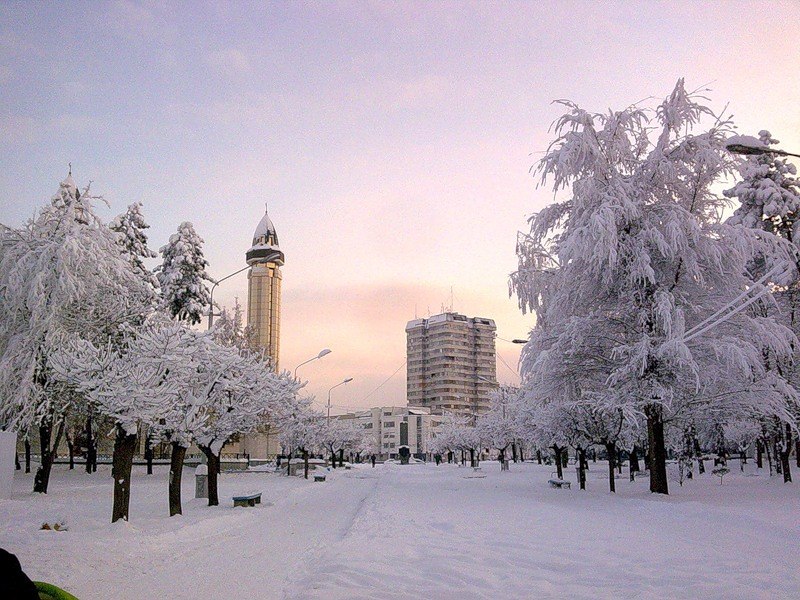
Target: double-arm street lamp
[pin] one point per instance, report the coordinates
(348, 380)
(323, 352)
(211, 314)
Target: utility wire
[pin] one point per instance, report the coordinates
(385, 381)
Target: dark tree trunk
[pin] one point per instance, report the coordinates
(611, 450)
(759, 454)
(341, 457)
(71, 448)
(594, 455)
(582, 468)
(148, 454)
(698, 451)
(176, 458)
(472, 457)
(559, 468)
(564, 458)
(333, 458)
(213, 475)
(17, 465)
(124, 449)
(777, 454)
(539, 456)
(769, 456)
(449, 456)
(514, 452)
(658, 453)
(27, 455)
(786, 450)
(521, 454)
(47, 454)
(633, 463)
(305, 463)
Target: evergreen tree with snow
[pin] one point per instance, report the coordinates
(769, 193)
(182, 276)
(132, 241)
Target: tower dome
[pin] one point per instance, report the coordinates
(265, 246)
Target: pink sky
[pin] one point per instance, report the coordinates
(391, 140)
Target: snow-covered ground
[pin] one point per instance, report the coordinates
(414, 532)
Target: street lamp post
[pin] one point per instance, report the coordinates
(323, 352)
(744, 145)
(348, 380)
(211, 314)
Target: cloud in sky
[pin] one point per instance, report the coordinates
(391, 140)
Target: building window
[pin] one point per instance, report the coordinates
(367, 425)
(388, 423)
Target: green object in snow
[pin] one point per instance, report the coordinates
(47, 591)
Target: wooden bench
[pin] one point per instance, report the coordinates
(319, 477)
(247, 500)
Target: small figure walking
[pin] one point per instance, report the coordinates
(372, 460)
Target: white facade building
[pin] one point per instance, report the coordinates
(395, 426)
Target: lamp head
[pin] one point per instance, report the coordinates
(323, 352)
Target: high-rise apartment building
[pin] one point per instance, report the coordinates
(451, 363)
(264, 288)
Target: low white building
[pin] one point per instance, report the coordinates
(396, 426)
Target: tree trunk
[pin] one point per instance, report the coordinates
(521, 453)
(564, 458)
(124, 449)
(559, 468)
(472, 457)
(213, 475)
(786, 450)
(701, 467)
(71, 448)
(148, 454)
(341, 457)
(333, 458)
(777, 454)
(769, 456)
(47, 454)
(514, 452)
(582, 468)
(27, 455)
(759, 454)
(305, 463)
(177, 455)
(89, 442)
(658, 453)
(619, 462)
(17, 465)
(633, 463)
(539, 456)
(611, 451)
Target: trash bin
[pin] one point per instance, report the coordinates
(201, 481)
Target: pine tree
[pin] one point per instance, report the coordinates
(182, 276)
(132, 241)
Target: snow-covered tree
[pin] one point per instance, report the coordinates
(301, 431)
(132, 241)
(182, 276)
(769, 193)
(638, 255)
(337, 435)
(130, 384)
(230, 330)
(61, 275)
(498, 428)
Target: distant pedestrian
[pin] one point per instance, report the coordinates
(438, 458)
(372, 460)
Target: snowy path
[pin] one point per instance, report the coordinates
(416, 532)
